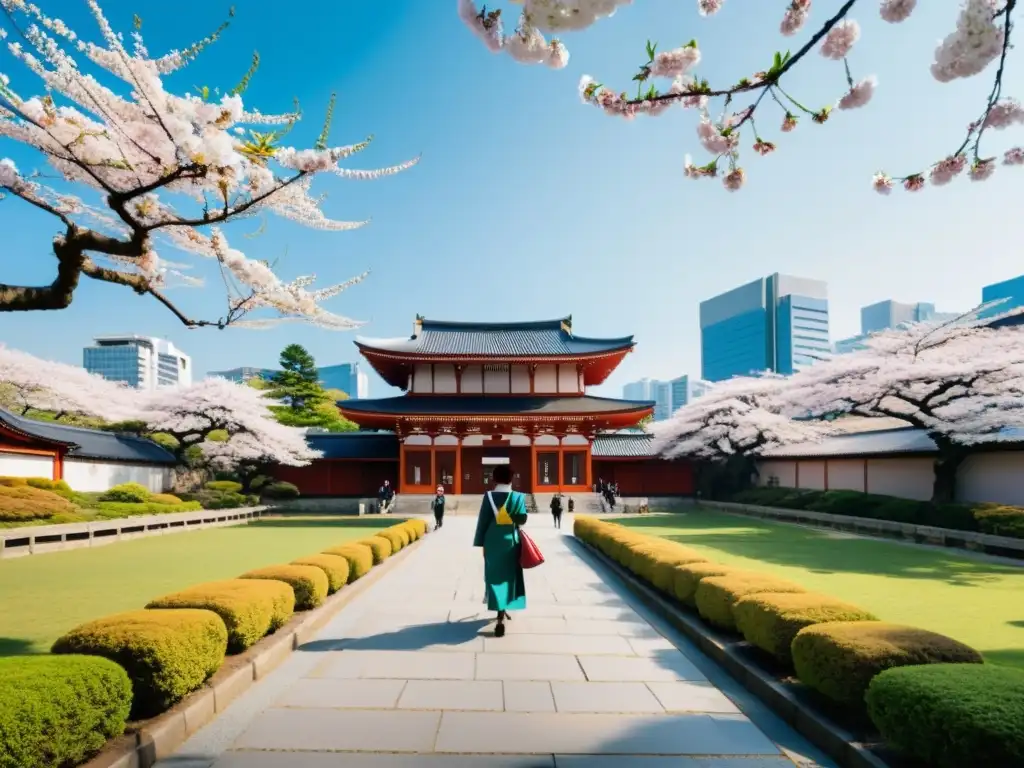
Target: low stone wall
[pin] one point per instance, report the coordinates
(39, 539)
(328, 506)
(921, 534)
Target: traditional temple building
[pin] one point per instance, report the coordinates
(478, 395)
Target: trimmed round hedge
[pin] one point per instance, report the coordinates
(57, 711)
(716, 595)
(359, 556)
(379, 546)
(839, 660)
(393, 537)
(335, 568)
(167, 653)
(418, 526)
(246, 607)
(309, 582)
(654, 561)
(951, 715)
(686, 578)
(771, 621)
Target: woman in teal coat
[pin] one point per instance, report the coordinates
(501, 511)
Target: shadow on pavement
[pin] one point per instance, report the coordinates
(414, 638)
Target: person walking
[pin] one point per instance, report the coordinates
(501, 513)
(437, 506)
(556, 509)
(572, 508)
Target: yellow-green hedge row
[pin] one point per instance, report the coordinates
(170, 648)
(836, 648)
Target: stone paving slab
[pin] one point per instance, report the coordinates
(410, 674)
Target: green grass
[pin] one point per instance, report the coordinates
(976, 601)
(43, 596)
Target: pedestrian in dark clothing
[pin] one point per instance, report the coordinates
(556, 510)
(437, 505)
(572, 506)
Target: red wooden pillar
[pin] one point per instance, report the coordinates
(561, 463)
(588, 460)
(533, 463)
(433, 467)
(58, 466)
(458, 464)
(401, 466)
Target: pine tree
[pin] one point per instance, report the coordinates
(297, 384)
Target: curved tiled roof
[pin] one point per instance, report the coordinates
(635, 445)
(549, 338)
(85, 443)
(463, 405)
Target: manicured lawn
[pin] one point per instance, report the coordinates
(43, 596)
(975, 601)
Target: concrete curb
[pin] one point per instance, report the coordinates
(160, 737)
(830, 738)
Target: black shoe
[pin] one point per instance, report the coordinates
(499, 629)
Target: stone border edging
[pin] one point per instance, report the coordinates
(921, 534)
(158, 737)
(114, 529)
(830, 738)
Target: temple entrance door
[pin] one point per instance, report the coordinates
(444, 469)
(489, 463)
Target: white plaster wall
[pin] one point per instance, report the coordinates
(417, 440)
(472, 380)
(906, 478)
(568, 379)
(25, 465)
(496, 382)
(520, 379)
(545, 380)
(446, 440)
(444, 380)
(812, 475)
(574, 440)
(846, 474)
(785, 471)
(517, 441)
(996, 477)
(582, 385)
(547, 440)
(83, 475)
(421, 379)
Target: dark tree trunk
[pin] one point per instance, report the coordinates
(947, 466)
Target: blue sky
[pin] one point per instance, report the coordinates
(529, 205)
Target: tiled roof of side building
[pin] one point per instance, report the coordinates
(877, 443)
(90, 443)
(464, 405)
(623, 446)
(551, 338)
(355, 445)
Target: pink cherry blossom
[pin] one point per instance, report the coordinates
(860, 94)
(795, 17)
(675, 63)
(763, 147)
(882, 182)
(789, 123)
(1004, 113)
(948, 169)
(895, 11)
(734, 180)
(982, 170)
(1014, 156)
(712, 138)
(914, 183)
(976, 42)
(709, 7)
(840, 39)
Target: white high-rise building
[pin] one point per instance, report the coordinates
(142, 362)
(667, 396)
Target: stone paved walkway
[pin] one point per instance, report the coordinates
(410, 674)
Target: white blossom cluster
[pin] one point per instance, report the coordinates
(167, 165)
(976, 42)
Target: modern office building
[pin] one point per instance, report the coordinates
(1011, 290)
(777, 323)
(891, 314)
(348, 378)
(244, 374)
(667, 396)
(138, 361)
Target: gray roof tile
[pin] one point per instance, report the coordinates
(622, 445)
(880, 442)
(536, 339)
(467, 405)
(91, 443)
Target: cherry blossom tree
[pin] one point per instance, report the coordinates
(962, 382)
(32, 384)
(143, 170)
(665, 79)
(722, 430)
(191, 415)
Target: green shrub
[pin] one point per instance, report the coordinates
(839, 660)
(258, 482)
(23, 503)
(716, 595)
(221, 500)
(111, 510)
(649, 553)
(335, 568)
(46, 484)
(58, 711)
(167, 654)
(280, 490)
(686, 577)
(359, 556)
(393, 537)
(309, 582)
(999, 520)
(223, 486)
(951, 715)
(379, 546)
(246, 606)
(13, 482)
(132, 493)
(164, 498)
(771, 621)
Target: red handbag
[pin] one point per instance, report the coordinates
(529, 552)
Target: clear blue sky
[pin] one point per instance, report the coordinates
(529, 205)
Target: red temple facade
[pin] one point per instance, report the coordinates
(478, 395)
